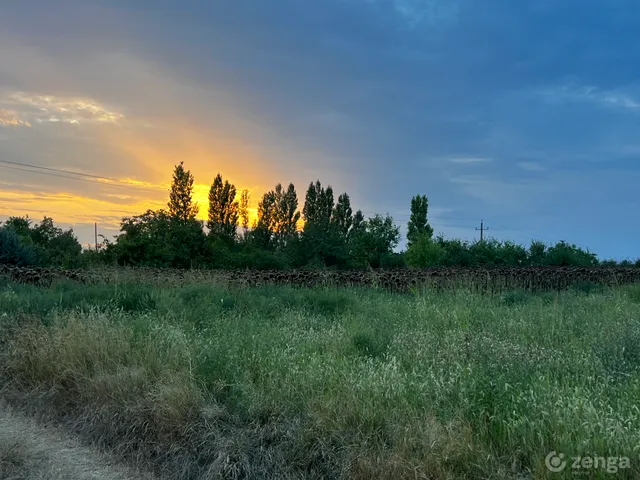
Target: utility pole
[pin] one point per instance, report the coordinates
(482, 229)
(95, 225)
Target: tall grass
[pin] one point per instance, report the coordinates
(278, 382)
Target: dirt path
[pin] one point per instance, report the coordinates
(32, 451)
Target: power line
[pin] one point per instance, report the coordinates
(107, 183)
(406, 215)
(53, 175)
(101, 213)
(117, 183)
(58, 170)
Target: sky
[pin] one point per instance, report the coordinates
(525, 114)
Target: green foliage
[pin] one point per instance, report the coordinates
(134, 300)
(516, 297)
(342, 216)
(145, 240)
(632, 292)
(494, 252)
(243, 211)
(41, 244)
(278, 217)
(491, 252)
(13, 250)
(375, 239)
(181, 206)
(564, 254)
(218, 252)
(393, 260)
(418, 225)
(159, 240)
(333, 236)
(21, 226)
(326, 227)
(251, 257)
(339, 383)
(187, 243)
(286, 215)
(424, 252)
(537, 253)
(223, 210)
(609, 263)
(457, 252)
(586, 287)
(64, 250)
(370, 344)
(264, 228)
(318, 206)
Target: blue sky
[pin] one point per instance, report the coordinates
(523, 113)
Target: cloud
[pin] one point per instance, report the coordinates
(617, 98)
(54, 109)
(357, 93)
(470, 160)
(531, 166)
(417, 13)
(429, 12)
(10, 118)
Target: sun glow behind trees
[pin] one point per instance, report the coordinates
(285, 233)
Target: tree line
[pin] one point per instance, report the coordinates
(324, 233)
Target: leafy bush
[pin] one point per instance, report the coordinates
(393, 260)
(259, 259)
(564, 254)
(43, 244)
(13, 250)
(425, 253)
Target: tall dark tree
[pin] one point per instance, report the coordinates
(418, 224)
(243, 211)
(265, 224)
(342, 216)
(286, 214)
(321, 241)
(358, 223)
(373, 241)
(223, 210)
(181, 205)
(278, 217)
(318, 206)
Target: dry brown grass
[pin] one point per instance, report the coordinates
(34, 451)
(140, 401)
(204, 382)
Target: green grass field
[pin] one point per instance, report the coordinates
(200, 381)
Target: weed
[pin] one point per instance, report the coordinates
(280, 382)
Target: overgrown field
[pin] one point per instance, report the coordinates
(206, 381)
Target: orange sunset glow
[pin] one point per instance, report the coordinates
(137, 157)
(105, 97)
